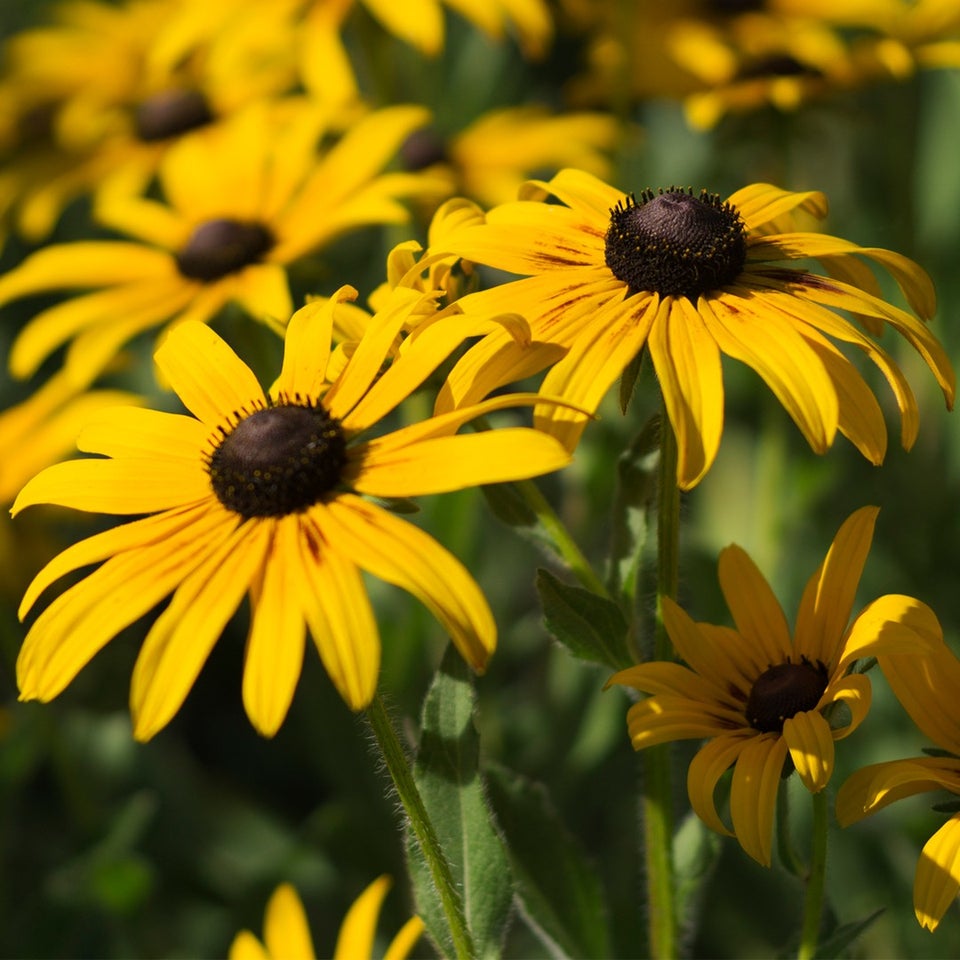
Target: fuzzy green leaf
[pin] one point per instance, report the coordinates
(559, 893)
(447, 775)
(590, 627)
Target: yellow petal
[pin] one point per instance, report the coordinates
(828, 598)
(274, 654)
(131, 432)
(406, 939)
(577, 189)
(856, 692)
(455, 463)
(810, 741)
(659, 677)
(182, 637)
(340, 615)
(141, 485)
(246, 946)
(709, 764)
(400, 553)
(937, 879)
(285, 929)
(891, 625)
(665, 718)
(306, 349)
(753, 795)
(262, 290)
(359, 927)
(687, 360)
(759, 203)
(84, 618)
(419, 22)
(210, 379)
(755, 609)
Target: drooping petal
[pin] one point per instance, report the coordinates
(286, 932)
(274, 654)
(753, 605)
(687, 360)
(455, 463)
(856, 692)
(753, 795)
(359, 926)
(810, 742)
(182, 637)
(892, 624)
(937, 879)
(402, 554)
(711, 762)
(828, 598)
(84, 618)
(210, 379)
(340, 616)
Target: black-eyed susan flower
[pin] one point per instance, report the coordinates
(928, 686)
(758, 695)
(689, 277)
(286, 933)
(241, 204)
(263, 493)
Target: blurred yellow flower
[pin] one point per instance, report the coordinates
(763, 697)
(286, 934)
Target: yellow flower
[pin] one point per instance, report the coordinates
(261, 493)
(927, 684)
(242, 202)
(760, 695)
(690, 277)
(286, 935)
(491, 158)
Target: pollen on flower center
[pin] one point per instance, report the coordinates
(278, 460)
(674, 243)
(171, 113)
(220, 247)
(783, 691)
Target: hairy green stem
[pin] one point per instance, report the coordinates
(563, 543)
(813, 901)
(398, 766)
(657, 799)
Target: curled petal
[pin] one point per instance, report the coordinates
(710, 763)
(810, 741)
(855, 691)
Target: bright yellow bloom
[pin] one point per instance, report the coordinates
(688, 278)
(262, 493)
(928, 686)
(760, 695)
(286, 934)
(242, 203)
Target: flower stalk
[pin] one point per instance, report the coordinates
(813, 900)
(398, 767)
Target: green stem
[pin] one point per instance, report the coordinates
(813, 902)
(657, 800)
(395, 759)
(563, 543)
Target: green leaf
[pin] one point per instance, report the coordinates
(590, 627)
(559, 893)
(696, 851)
(845, 934)
(633, 501)
(448, 777)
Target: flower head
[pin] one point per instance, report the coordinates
(286, 935)
(261, 493)
(242, 203)
(761, 697)
(928, 686)
(689, 277)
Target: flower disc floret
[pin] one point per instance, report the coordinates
(278, 461)
(221, 247)
(674, 243)
(784, 690)
(171, 113)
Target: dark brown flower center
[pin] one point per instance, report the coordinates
(422, 149)
(278, 460)
(219, 247)
(783, 691)
(731, 8)
(170, 113)
(674, 243)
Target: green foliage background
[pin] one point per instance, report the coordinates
(110, 848)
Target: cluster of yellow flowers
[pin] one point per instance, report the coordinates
(223, 147)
